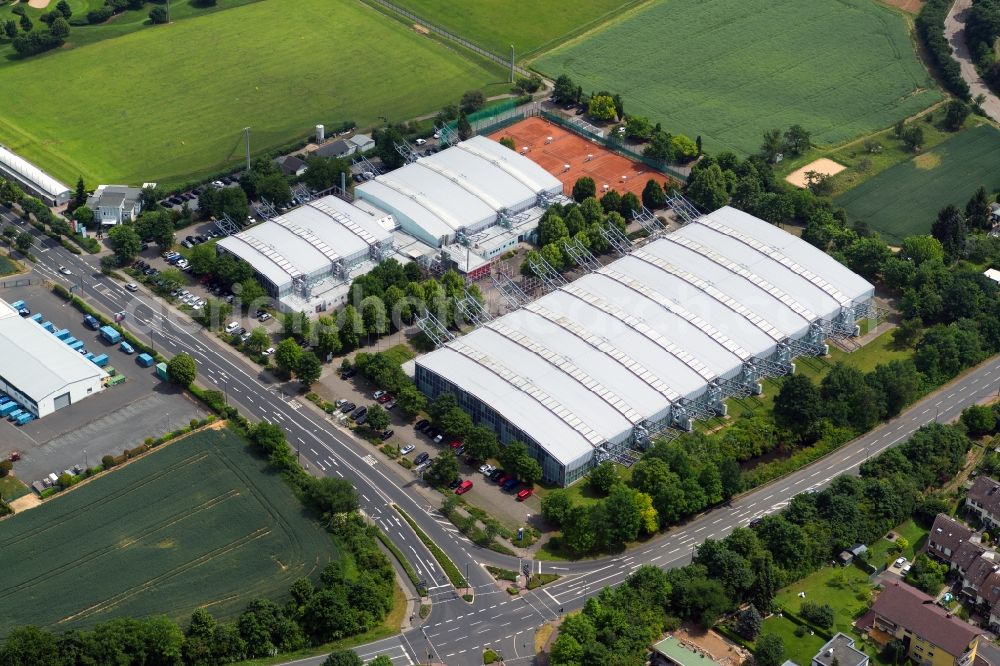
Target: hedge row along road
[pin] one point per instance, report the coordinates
(456, 630)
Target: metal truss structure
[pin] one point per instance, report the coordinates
(226, 226)
(616, 239)
(580, 255)
(682, 208)
(472, 309)
(435, 330)
(545, 271)
(648, 221)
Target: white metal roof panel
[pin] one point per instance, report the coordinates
(30, 172)
(409, 207)
(479, 174)
(260, 262)
(560, 440)
(38, 363)
(524, 169)
(826, 271)
(455, 205)
(299, 252)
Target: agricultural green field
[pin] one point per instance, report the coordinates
(904, 199)
(167, 103)
(729, 69)
(528, 25)
(198, 523)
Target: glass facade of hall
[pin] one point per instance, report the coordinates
(432, 385)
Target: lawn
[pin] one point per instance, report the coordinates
(729, 69)
(167, 103)
(7, 266)
(800, 650)
(11, 488)
(845, 589)
(529, 26)
(198, 523)
(915, 535)
(904, 199)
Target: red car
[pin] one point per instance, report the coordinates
(463, 487)
(457, 443)
(504, 478)
(384, 398)
(524, 494)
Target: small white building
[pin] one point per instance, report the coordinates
(115, 204)
(32, 179)
(40, 371)
(361, 143)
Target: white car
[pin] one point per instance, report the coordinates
(378, 394)
(899, 562)
(232, 326)
(437, 135)
(906, 569)
(268, 351)
(131, 286)
(182, 264)
(420, 142)
(65, 271)
(406, 449)
(487, 469)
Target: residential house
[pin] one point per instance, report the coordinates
(840, 650)
(945, 538)
(115, 204)
(983, 499)
(932, 636)
(291, 165)
(338, 148)
(361, 142)
(672, 652)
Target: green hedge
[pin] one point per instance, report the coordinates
(403, 562)
(449, 568)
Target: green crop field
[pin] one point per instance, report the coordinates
(198, 523)
(904, 199)
(729, 69)
(166, 103)
(528, 25)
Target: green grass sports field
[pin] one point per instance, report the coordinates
(528, 25)
(904, 199)
(198, 523)
(165, 103)
(730, 69)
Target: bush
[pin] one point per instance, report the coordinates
(108, 462)
(820, 615)
(490, 657)
(5, 467)
(512, 590)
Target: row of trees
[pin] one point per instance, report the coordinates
(930, 29)
(749, 566)
(982, 28)
(582, 221)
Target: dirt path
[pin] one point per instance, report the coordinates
(954, 32)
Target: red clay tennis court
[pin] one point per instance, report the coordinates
(569, 156)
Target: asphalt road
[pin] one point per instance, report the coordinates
(456, 632)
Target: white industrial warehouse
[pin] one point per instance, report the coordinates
(38, 370)
(654, 339)
(32, 179)
(312, 252)
(473, 200)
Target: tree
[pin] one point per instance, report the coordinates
(158, 15)
(949, 228)
(749, 622)
(481, 443)
(411, 400)
(602, 107)
(182, 369)
(331, 496)
(472, 100)
(684, 149)
(202, 259)
(583, 188)
(24, 241)
(63, 7)
(26, 24)
(919, 249)
(322, 172)
(611, 201)
(125, 243)
(707, 188)
(564, 90)
(955, 114)
(10, 28)
(5, 467)
(796, 140)
(508, 142)
(602, 477)
(556, 506)
(296, 325)
(30, 646)
(977, 210)
(653, 196)
(287, 355)
(308, 369)
(377, 418)
(821, 615)
(913, 137)
(343, 658)
(772, 144)
(629, 206)
(464, 127)
(250, 292)
(259, 340)
(80, 197)
(455, 422)
(979, 420)
(770, 650)
(445, 467)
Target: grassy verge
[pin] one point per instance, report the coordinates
(449, 568)
(12, 487)
(403, 562)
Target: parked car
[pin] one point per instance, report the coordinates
(486, 469)
(348, 407)
(263, 317)
(421, 458)
(456, 444)
(899, 562)
(510, 484)
(502, 479)
(347, 374)
(421, 425)
(463, 487)
(455, 483)
(231, 327)
(384, 398)
(386, 434)
(268, 351)
(359, 412)
(496, 474)
(524, 494)
(361, 419)
(390, 404)
(406, 449)
(378, 394)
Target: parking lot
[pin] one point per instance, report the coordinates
(118, 418)
(485, 494)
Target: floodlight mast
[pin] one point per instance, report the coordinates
(246, 133)
(511, 63)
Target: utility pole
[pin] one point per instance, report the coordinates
(511, 63)
(246, 133)
(168, 11)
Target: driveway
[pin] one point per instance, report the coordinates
(954, 32)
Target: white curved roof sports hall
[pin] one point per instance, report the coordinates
(622, 344)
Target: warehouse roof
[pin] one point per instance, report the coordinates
(462, 186)
(31, 173)
(35, 361)
(307, 240)
(622, 344)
